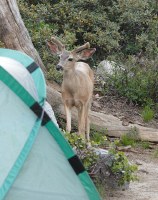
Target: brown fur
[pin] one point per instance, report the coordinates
(77, 85)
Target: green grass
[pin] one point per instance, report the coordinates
(130, 138)
(126, 141)
(147, 114)
(144, 144)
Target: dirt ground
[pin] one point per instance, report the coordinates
(147, 186)
(121, 108)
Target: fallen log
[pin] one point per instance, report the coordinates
(109, 124)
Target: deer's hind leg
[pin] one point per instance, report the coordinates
(87, 123)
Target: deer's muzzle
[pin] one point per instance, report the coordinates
(59, 67)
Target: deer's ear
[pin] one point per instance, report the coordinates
(53, 48)
(86, 53)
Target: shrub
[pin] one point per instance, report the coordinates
(87, 156)
(122, 168)
(137, 83)
(112, 168)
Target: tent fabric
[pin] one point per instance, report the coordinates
(40, 164)
(50, 112)
(15, 147)
(21, 74)
(29, 64)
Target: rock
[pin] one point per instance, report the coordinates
(125, 122)
(138, 162)
(101, 152)
(96, 104)
(96, 96)
(126, 148)
(107, 68)
(144, 171)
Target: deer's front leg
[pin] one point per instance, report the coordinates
(87, 123)
(81, 121)
(68, 118)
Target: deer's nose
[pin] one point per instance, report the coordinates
(59, 67)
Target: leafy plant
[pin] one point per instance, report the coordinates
(87, 155)
(98, 139)
(115, 163)
(121, 167)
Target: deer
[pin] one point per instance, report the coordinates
(78, 82)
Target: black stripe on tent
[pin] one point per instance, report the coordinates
(37, 109)
(76, 164)
(46, 119)
(32, 67)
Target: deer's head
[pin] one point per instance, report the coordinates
(68, 58)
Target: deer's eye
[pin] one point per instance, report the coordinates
(70, 59)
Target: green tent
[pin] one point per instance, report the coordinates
(36, 162)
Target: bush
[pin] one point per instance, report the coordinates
(123, 169)
(112, 169)
(137, 83)
(87, 155)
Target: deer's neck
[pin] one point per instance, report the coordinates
(69, 72)
(70, 80)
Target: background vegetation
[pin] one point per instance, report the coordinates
(124, 31)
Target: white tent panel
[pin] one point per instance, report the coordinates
(19, 72)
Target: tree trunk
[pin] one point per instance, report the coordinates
(13, 32)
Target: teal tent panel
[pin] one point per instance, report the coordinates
(17, 121)
(47, 174)
(69, 153)
(17, 96)
(17, 55)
